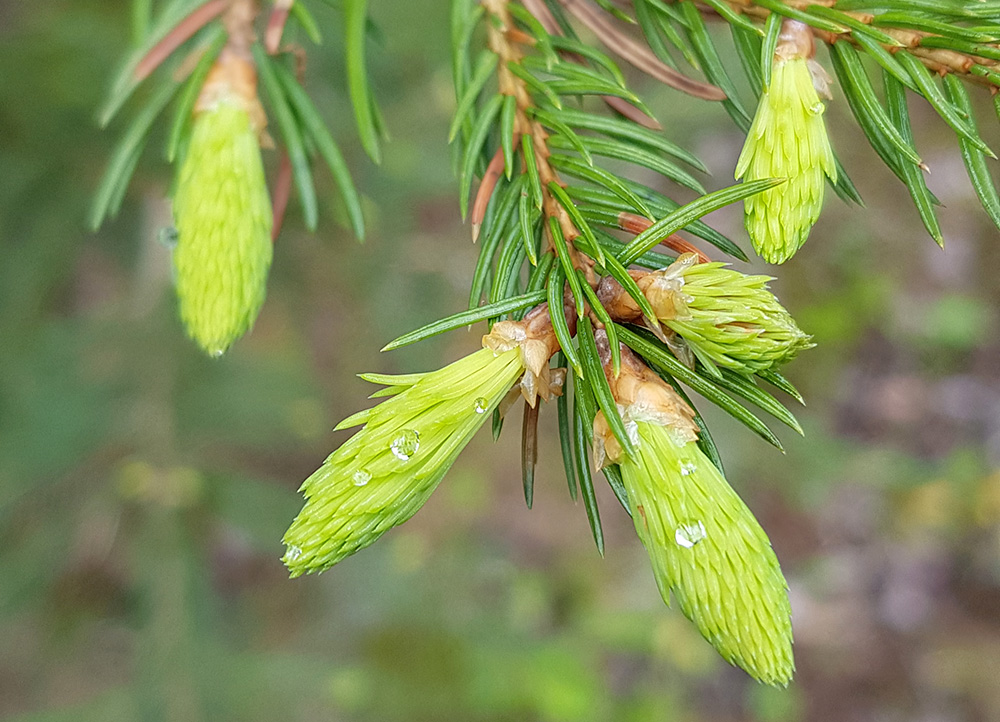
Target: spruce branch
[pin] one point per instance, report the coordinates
(208, 56)
(584, 307)
(922, 47)
(946, 48)
(546, 197)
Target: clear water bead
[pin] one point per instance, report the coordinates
(687, 468)
(687, 535)
(405, 445)
(482, 405)
(361, 477)
(168, 236)
(292, 553)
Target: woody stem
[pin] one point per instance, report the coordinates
(940, 60)
(502, 34)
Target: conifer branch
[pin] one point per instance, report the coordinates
(582, 304)
(978, 63)
(559, 191)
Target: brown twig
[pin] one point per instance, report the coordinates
(276, 25)
(282, 192)
(529, 447)
(180, 34)
(637, 54)
(544, 16)
(508, 52)
(239, 20)
(620, 105)
(938, 60)
(637, 224)
(676, 243)
(520, 37)
(234, 73)
(493, 172)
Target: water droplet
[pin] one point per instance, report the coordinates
(816, 109)
(292, 553)
(687, 468)
(167, 236)
(217, 352)
(482, 405)
(689, 534)
(361, 477)
(405, 445)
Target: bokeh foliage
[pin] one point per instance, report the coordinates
(144, 488)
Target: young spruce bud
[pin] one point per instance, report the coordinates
(788, 140)
(222, 211)
(383, 474)
(726, 318)
(705, 546)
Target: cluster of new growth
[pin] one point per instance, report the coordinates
(600, 291)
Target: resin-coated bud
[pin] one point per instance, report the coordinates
(222, 213)
(787, 139)
(705, 546)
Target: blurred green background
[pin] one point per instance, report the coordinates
(144, 488)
